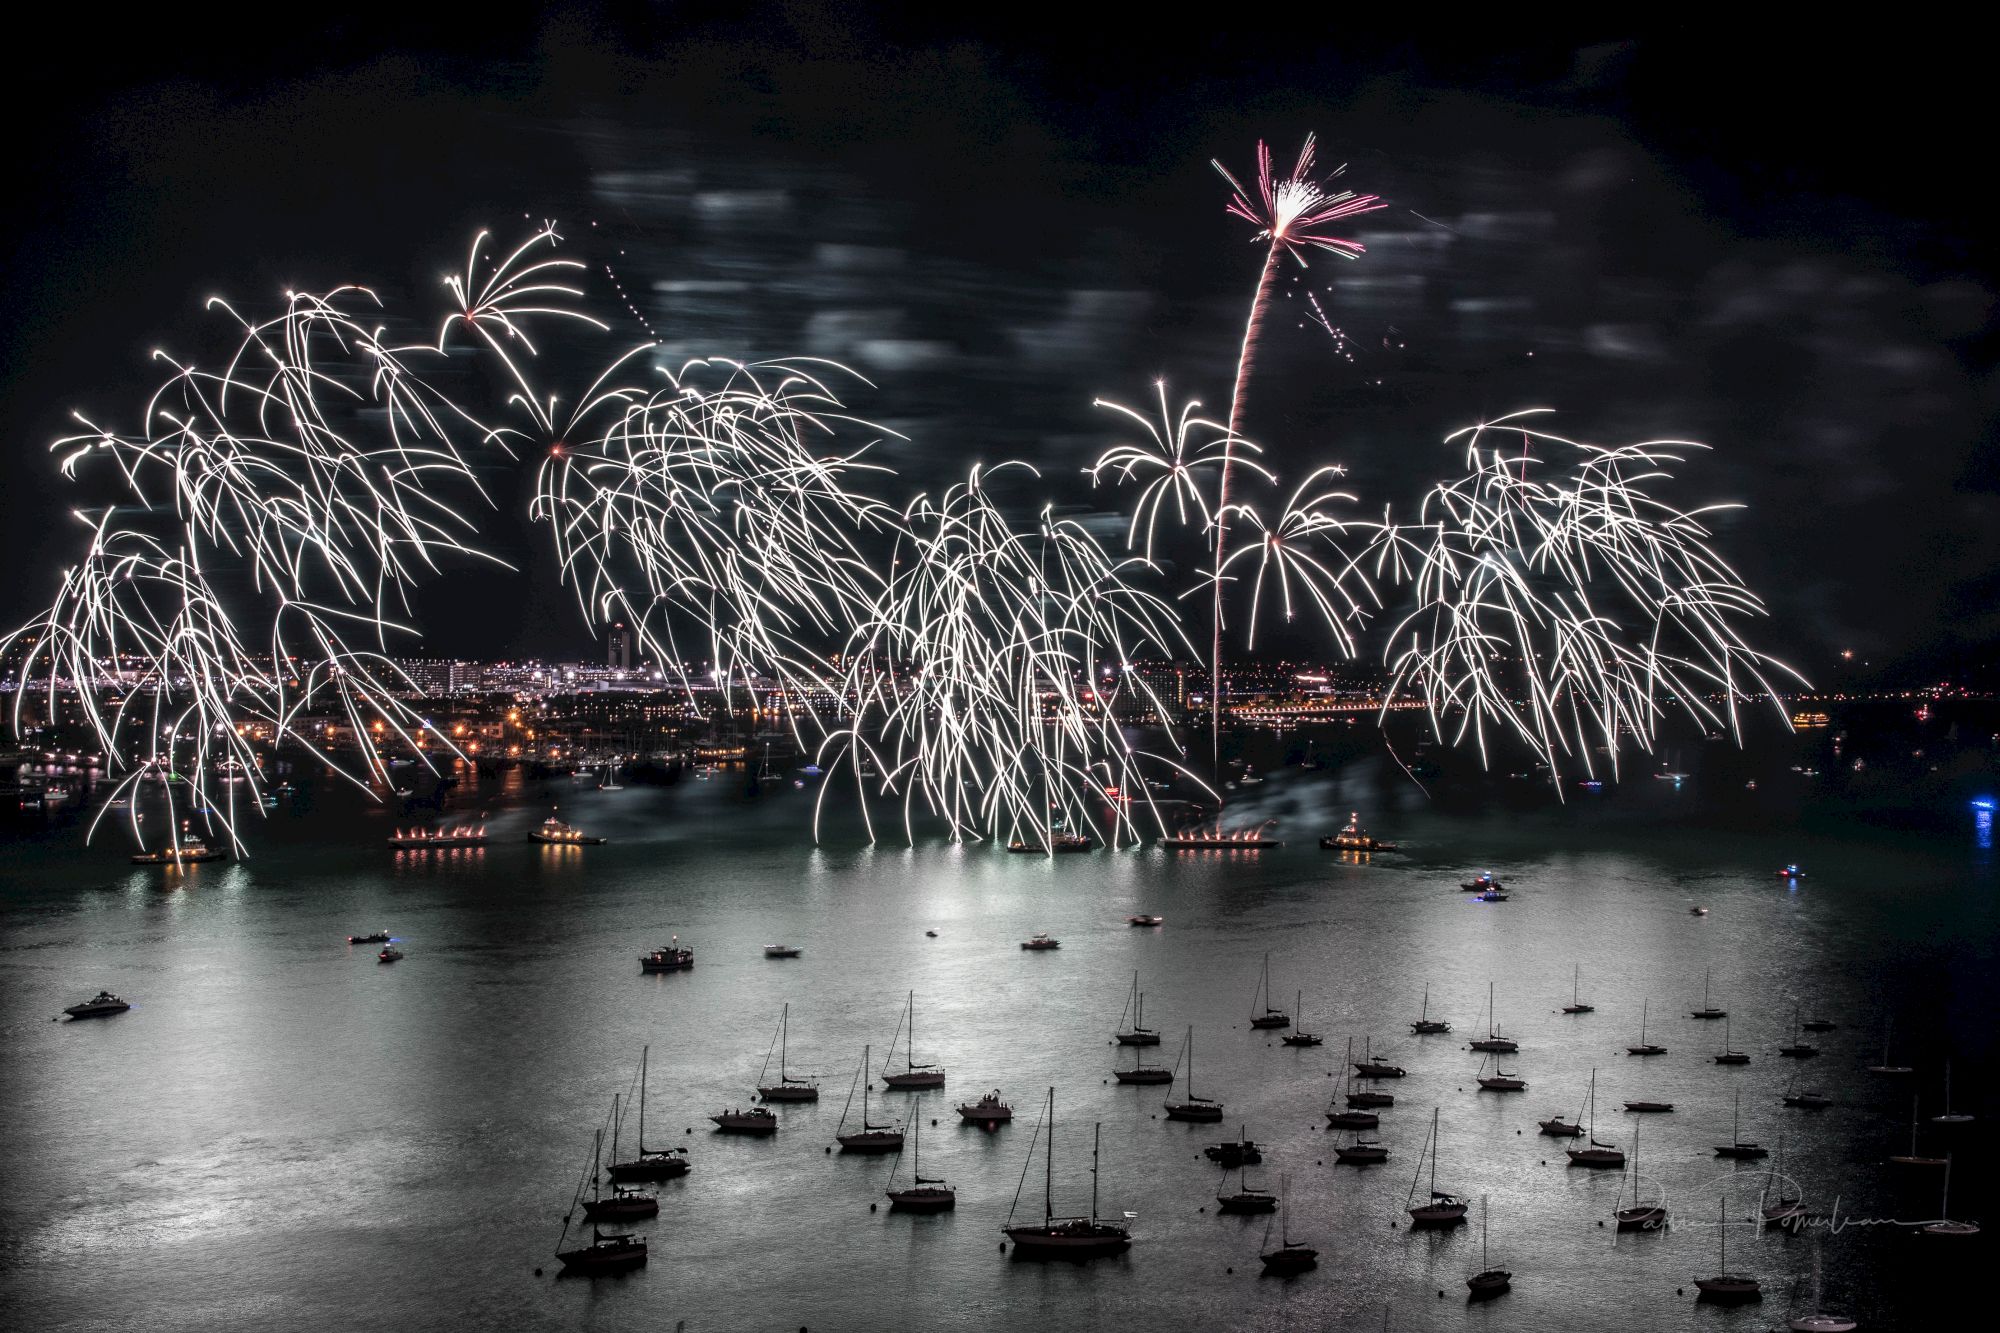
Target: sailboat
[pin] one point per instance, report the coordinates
(1247, 1199)
(925, 1194)
(1350, 1118)
(1786, 1210)
(1194, 1108)
(1499, 1080)
(1291, 1256)
(1597, 1154)
(1819, 1321)
(1065, 1237)
(1950, 1117)
(1138, 1034)
(1913, 1159)
(1493, 1041)
(1369, 1067)
(1641, 1216)
(1358, 1151)
(870, 1137)
(1799, 1048)
(1558, 1128)
(1944, 1226)
(625, 1200)
(1805, 1098)
(1268, 1017)
(1576, 1005)
(1299, 1036)
(1708, 1009)
(1142, 1073)
(1727, 1288)
(1737, 1147)
(1425, 1024)
(1885, 1067)
(787, 1088)
(914, 1075)
(1490, 1281)
(607, 1252)
(1819, 1025)
(1440, 1209)
(1644, 1047)
(1728, 1055)
(610, 782)
(649, 1164)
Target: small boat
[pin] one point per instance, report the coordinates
(390, 953)
(1039, 943)
(1291, 1257)
(1819, 1025)
(1649, 1108)
(626, 1201)
(787, 1088)
(1493, 1041)
(1499, 1080)
(1707, 1010)
(1697, 911)
(1819, 1321)
(186, 850)
(1490, 1281)
(1199, 1109)
(458, 835)
(1247, 1198)
(1298, 1036)
(1138, 1034)
(1267, 1017)
(1799, 1048)
(1728, 1055)
(913, 1075)
(1640, 1216)
(1644, 1047)
(1727, 1288)
(1353, 839)
(1790, 872)
(669, 957)
(1575, 1005)
(1235, 1152)
(1885, 1067)
(650, 1164)
(1950, 1117)
(988, 1111)
(1913, 1158)
(1737, 1147)
(1425, 1024)
(1066, 1237)
(756, 1120)
(607, 1252)
(1441, 1208)
(1596, 1155)
(870, 1137)
(1491, 896)
(781, 951)
(379, 937)
(924, 1194)
(930, 934)
(1359, 1151)
(1369, 1067)
(101, 1005)
(1145, 921)
(1785, 1210)
(1482, 883)
(1805, 1099)
(1944, 1226)
(1061, 842)
(557, 833)
(1350, 1118)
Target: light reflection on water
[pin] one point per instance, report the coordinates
(282, 1123)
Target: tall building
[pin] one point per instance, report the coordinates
(618, 648)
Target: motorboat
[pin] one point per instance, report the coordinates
(670, 957)
(1353, 838)
(557, 833)
(755, 1120)
(988, 1111)
(781, 951)
(390, 953)
(1041, 943)
(379, 937)
(101, 1005)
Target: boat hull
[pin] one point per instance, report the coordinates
(1143, 1076)
(986, 1115)
(649, 1168)
(916, 1080)
(1246, 1203)
(1596, 1158)
(1077, 1242)
(1437, 1215)
(604, 1259)
(1199, 1112)
(608, 1210)
(871, 1141)
(1641, 1219)
(1287, 1262)
(1729, 1290)
(758, 1125)
(1360, 1156)
(1138, 1039)
(784, 1093)
(923, 1200)
(1353, 1119)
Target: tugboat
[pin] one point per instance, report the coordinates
(924, 1194)
(186, 850)
(1353, 839)
(787, 1088)
(756, 1120)
(650, 1164)
(1441, 1209)
(553, 830)
(1234, 1152)
(1727, 1289)
(1041, 942)
(379, 937)
(1425, 1024)
(101, 1005)
(1066, 1237)
(988, 1112)
(870, 1137)
(1199, 1109)
(458, 835)
(390, 953)
(667, 958)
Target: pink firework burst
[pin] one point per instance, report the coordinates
(1291, 212)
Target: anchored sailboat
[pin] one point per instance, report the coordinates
(870, 1137)
(1727, 1288)
(1708, 1009)
(1064, 1237)
(1493, 1041)
(1597, 1154)
(1944, 1226)
(1576, 1005)
(1291, 1256)
(607, 1252)
(1913, 1158)
(1135, 1005)
(925, 1194)
(1193, 1108)
(1785, 1209)
(625, 1200)
(1425, 1024)
(1350, 1118)
(1737, 1147)
(914, 1075)
(1644, 1047)
(650, 1164)
(1441, 1208)
(1888, 1026)
(1490, 1281)
(1950, 1117)
(1299, 1036)
(1640, 1216)
(1267, 1017)
(787, 1088)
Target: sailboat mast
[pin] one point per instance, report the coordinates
(1097, 1139)
(643, 1051)
(1049, 1164)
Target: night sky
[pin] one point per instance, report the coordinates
(1773, 244)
